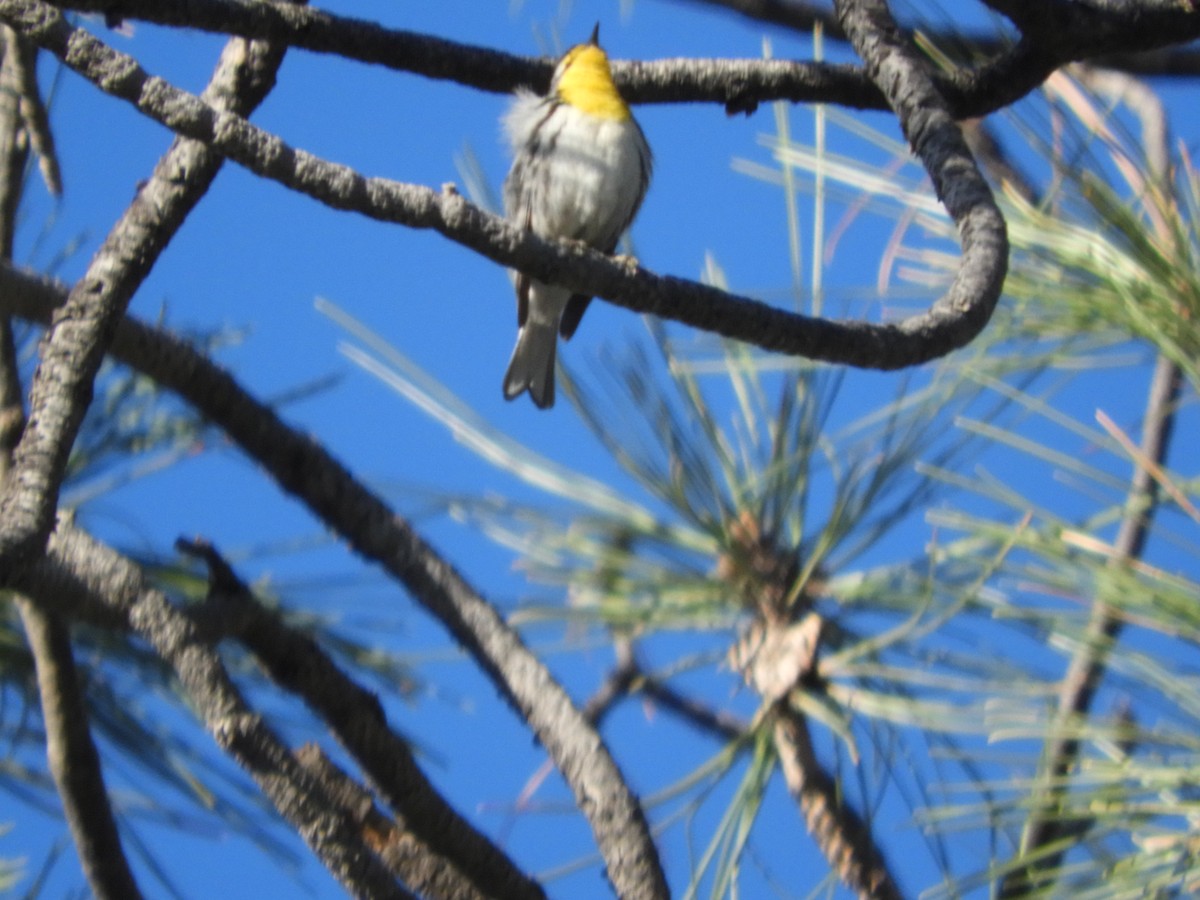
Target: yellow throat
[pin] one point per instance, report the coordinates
(585, 81)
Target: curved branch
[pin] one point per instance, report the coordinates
(74, 762)
(802, 16)
(952, 322)
(935, 137)
(306, 470)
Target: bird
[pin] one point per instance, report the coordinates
(580, 170)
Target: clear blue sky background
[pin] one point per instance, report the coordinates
(254, 256)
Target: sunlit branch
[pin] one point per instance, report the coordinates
(34, 119)
(71, 754)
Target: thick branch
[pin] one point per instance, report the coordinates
(1081, 31)
(952, 322)
(306, 470)
(78, 577)
(75, 344)
(74, 762)
(431, 826)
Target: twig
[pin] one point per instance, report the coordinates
(356, 718)
(953, 321)
(995, 161)
(718, 723)
(13, 154)
(628, 678)
(74, 762)
(14, 151)
(617, 683)
(33, 111)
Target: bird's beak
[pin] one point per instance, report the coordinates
(595, 38)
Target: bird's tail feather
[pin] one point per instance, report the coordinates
(532, 365)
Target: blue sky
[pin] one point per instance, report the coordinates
(253, 257)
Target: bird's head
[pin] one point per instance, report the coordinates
(584, 80)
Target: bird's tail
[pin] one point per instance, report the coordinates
(532, 365)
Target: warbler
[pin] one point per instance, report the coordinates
(581, 166)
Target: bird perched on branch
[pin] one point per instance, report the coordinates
(580, 170)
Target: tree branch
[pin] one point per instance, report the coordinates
(405, 856)
(843, 837)
(1087, 667)
(899, 71)
(1130, 31)
(306, 470)
(72, 349)
(74, 762)
(13, 154)
(802, 17)
(953, 321)
(468, 863)
(628, 679)
(34, 118)
(70, 752)
(81, 578)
